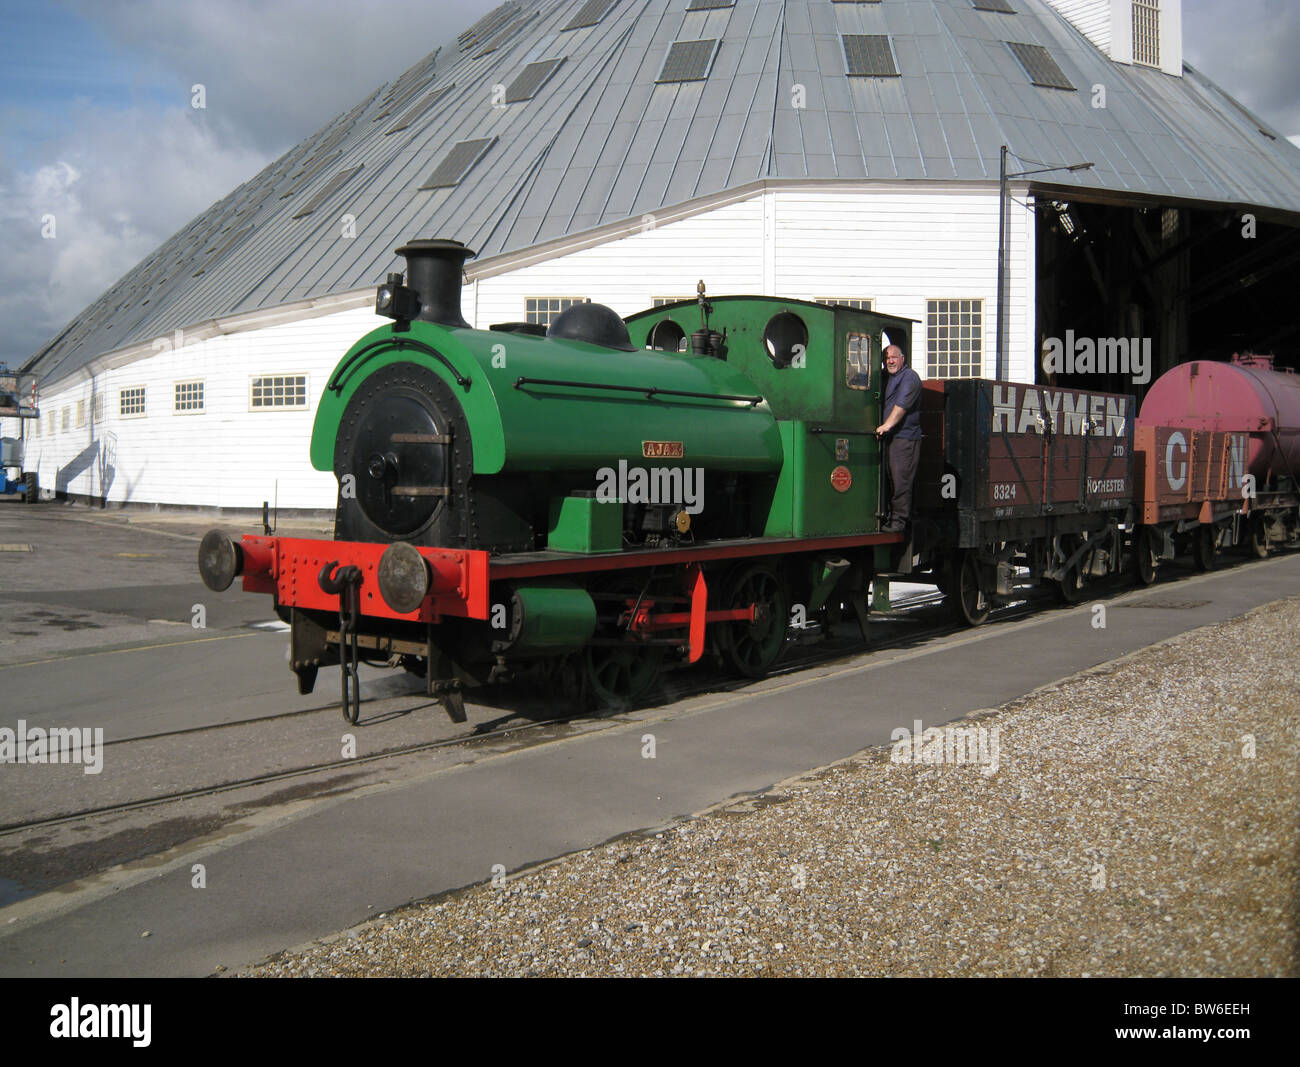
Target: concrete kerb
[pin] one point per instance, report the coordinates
(741, 804)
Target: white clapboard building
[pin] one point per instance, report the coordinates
(620, 151)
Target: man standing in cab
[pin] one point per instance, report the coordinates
(900, 435)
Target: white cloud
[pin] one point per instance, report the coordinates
(120, 179)
(274, 72)
(1248, 47)
(111, 188)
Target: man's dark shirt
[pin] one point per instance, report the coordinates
(903, 390)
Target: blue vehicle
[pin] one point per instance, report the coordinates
(17, 401)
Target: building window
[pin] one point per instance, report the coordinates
(1146, 32)
(81, 413)
(857, 364)
(590, 14)
(419, 109)
(531, 79)
(97, 408)
(954, 338)
(688, 61)
(131, 402)
(660, 301)
(869, 55)
(544, 310)
(189, 396)
(279, 391)
(65, 420)
(326, 193)
(54, 423)
(845, 302)
(457, 163)
(36, 427)
(1040, 66)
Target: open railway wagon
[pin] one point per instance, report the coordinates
(1020, 485)
(1218, 454)
(594, 503)
(17, 401)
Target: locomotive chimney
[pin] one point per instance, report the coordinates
(433, 270)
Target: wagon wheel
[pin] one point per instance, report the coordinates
(944, 579)
(969, 601)
(1204, 550)
(752, 648)
(1144, 555)
(1070, 585)
(615, 675)
(1257, 537)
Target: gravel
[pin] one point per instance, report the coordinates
(1128, 831)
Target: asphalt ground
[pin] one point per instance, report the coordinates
(327, 855)
(105, 623)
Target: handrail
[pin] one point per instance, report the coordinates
(648, 390)
(336, 380)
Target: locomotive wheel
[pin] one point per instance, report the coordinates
(617, 675)
(968, 599)
(566, 680)
(1144, 555)
(1257, 538)
(1204, 550)
(752, 648)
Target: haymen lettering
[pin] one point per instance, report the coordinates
(1053, 402)
(1031, 414)
(1074, 413)
(1004, 407)
(1028, 409)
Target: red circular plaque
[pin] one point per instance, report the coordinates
(841, 479)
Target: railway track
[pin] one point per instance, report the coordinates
(266, 779)
(686, 685)
(800, 656)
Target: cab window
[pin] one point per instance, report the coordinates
(857, 363)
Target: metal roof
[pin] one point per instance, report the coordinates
(603, 139)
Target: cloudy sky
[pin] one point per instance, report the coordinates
(96, 126)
